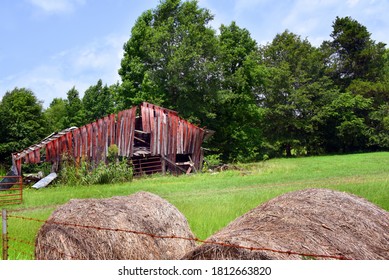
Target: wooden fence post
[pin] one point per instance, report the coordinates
(163, 162)
(4, 234)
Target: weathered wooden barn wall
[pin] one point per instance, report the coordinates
(169, 135)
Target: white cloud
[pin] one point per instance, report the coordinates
(98, 55)
(306, 17)
(57, 6)
(80, 67)
(352, 3)
(46, 81)
(242, 6)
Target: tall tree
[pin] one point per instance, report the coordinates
(379, 128)
(98, 102)
(356, 63)
(22, 122)
(170, 59)
(75, 115)
(295, 88)
(352, 54)
(342, 124)
(56, 114)
(238, 131)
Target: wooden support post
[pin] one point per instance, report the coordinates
(163, 162)
(4, 234)
(174, 164)
(192, 165)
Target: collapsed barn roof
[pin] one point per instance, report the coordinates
(156, 133)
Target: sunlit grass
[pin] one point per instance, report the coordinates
(211, 201)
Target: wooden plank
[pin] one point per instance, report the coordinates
(125, 133)
(165, 136)
(69, 138)
(112, 129)
(93, 141)
(84, 141)
(133, 121)
(89, 131)
(48, 156)
(119, 125)
(131, 130)
(63, 145)
(99, 144)
(56, 150)
(174, 164)
(145, 118)
(179, 137)
(37, 155)
(152, 136)
(158, 136)
(104, 139)
(192, 164)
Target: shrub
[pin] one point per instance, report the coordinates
(114, 172)
(84, 173)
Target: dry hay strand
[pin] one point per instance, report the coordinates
(311, 222)
(140, 212)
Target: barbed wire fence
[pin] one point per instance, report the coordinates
(28, 246)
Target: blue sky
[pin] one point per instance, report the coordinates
(49, 46)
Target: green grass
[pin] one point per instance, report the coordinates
(211, 201)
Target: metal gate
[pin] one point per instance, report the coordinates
(11, 190)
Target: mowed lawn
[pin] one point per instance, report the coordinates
(211, 200)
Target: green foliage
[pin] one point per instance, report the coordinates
(170, 60)
(56, 114)
(295, 88)
(113, 152)
(211, 161)
(343, 123)
(352, 54)
(116, 172)
(84, 173)
(3, 170)
(286, 98)
(379, 128)
(211, 201)
(237, 124)
(98, 101)
(22, 122)
(75, 115)
(44, 167)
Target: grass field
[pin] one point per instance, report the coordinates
(211, 201)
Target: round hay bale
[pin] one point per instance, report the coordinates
(312, 222)
(141, 212)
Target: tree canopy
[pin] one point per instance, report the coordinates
(170, 60)
(284, 98)
(21, 121)
(98, 101)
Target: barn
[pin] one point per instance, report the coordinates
(153, 138)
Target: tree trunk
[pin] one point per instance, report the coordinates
(288, 150)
